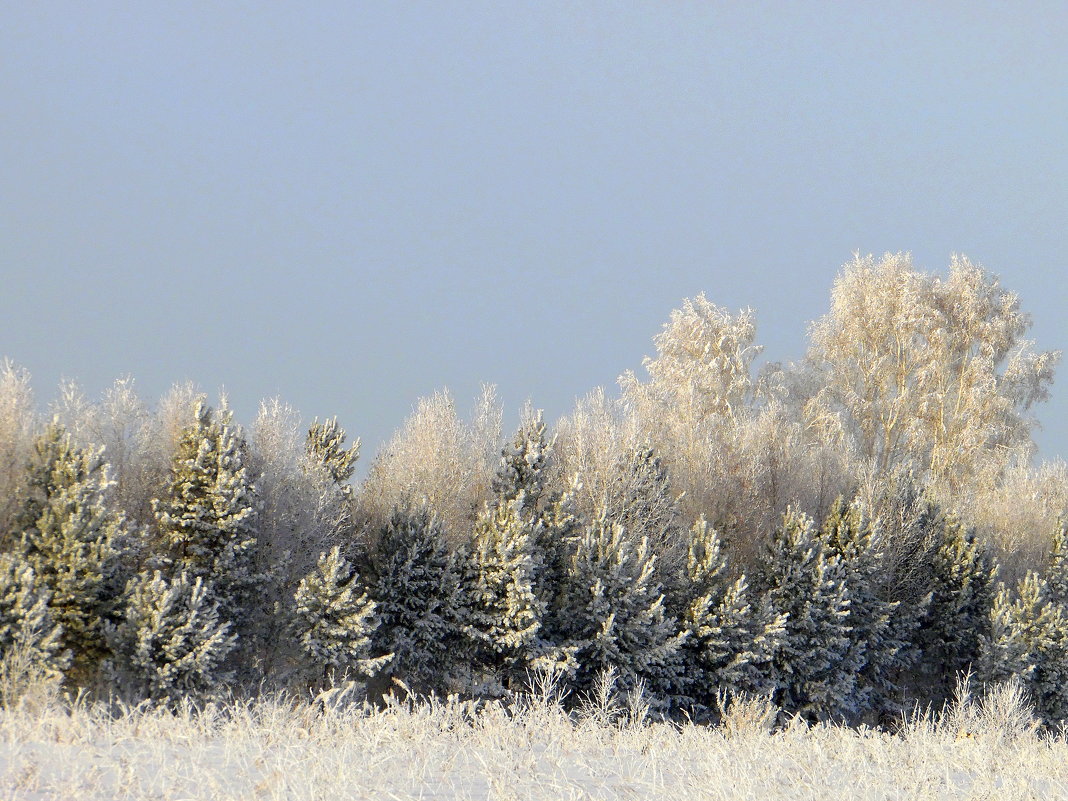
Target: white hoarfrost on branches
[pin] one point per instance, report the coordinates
(925, 370)
(334, 619)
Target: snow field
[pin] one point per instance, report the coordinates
(281, 749)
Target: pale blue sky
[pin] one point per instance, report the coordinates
(354, 204)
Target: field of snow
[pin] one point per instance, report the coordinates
(328, 749)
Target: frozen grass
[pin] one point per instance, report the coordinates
(330, 749)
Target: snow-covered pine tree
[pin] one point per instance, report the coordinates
(524, 463)
(503, 615)
(325, 446)
(414, 578)
(815, 668)
(613, 613)
(879, 640)
(68, 538)
(334, 620)
(958, 618)
(1028, 640)
(172, 642)
(730, 641)
(26, 624)
(207, 519)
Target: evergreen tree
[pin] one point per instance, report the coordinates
(206, 521)
(172, 642)
(816, 667)
(68, 538)
(504, 615)
(730, 643)
(613, 612)
(326, 446)
(1028, 640)
(414, 580)
(879, 640)
(523, 465)
(333, 620)
(26, 624)
(958, 618)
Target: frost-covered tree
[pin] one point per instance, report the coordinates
(68, 537)
(1057, 569)
(731, 638)
(325, 446)
(26, 623)
(334, 619)
(172, 642)
(879, 637)
(436, 460)
(18, 427)
(414, 578)
(524, 464)
(504, 614)
(207, 518)
(816, 667)
(614, 612)
(1028, 640)
(963, 586)
(929, 371)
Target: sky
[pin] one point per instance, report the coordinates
(353, 205)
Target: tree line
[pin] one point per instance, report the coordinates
(845, 535)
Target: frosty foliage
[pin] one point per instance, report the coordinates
(68, 538)
(334, 619)
(731, 637)
(927, 371)
(26, 622)
(207, 519)
(171, 642)
(18, 426)
(439, 461)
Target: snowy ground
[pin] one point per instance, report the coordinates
(278, 750)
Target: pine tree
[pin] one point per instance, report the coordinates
(172, 642)
(1028, 640)
(26, 624)
(69, 538)
(523, 465)
(333, 620)
(414, 579)
(326, 446)
(207, 519)
(878, 639)
(730, 643)
(816, 667)
(958, 618)
(614, 614)
(503, 616)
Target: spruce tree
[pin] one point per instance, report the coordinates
(207, 518)
(962, 594)
(172, 642)
(613, 612)
(414, 579)
(1057, 567)
(503, 615)
(334, 620)
(523, 466)
(730, 639)
(816, 667)
(1028, 640)
(68, 538)
(879, 639)
(27, 630)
